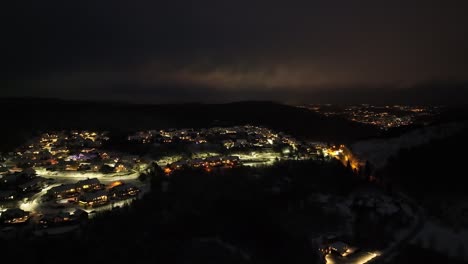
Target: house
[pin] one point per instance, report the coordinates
(233, 160)
(35, 184)
(14, 216)
(214, 161)
(228, 143)
(49, 220)
(7, 195)
(123, 191)
(63, 191)
(84, 166)
(197, 162)
(340, 247)
(94, 199)
(178, 165)
(63, 218)
(120, 167)
(92, 184)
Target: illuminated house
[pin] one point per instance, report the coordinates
(214, 161)
(49, 220)
(7, 195)
(94, 199)
(92, 184)
(197, 163)
(123, 191)
(14, 216)
(84, 166)
(231, 160)
(228, 143)
(104, 156)
(63, 191)
(120, 167)
(71, 166)
(340, 248)
(178, 165)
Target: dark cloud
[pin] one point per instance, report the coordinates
(230, 50)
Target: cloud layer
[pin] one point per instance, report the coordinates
(244, 49)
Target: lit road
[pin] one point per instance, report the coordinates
(343, 154)
(76, 176)
(356, 258)
(413, 231)
(250, 159)
(34, 201)
(258, 158)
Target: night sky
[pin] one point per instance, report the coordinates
(412, 51)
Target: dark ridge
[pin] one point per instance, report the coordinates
(26, 116)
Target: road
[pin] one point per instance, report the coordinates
(68, 176)
(356, 258)
(415, 229)
(388, 253)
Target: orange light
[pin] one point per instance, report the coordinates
(167, 170)
(116, 183)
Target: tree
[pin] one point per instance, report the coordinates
(106, 169)
(142, 177)
(367, 170)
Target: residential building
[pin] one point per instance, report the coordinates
(63, 191)
(92, 184)
(14, 216)
(94, 199)
(123, 191)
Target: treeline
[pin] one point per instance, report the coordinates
(435, 168)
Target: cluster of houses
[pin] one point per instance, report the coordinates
(70, 151)
(79, 196)
(236, 138)
(91, 192)
(15, 185)
(207, 163)
(17, 223)
(227, 137)
(332, 244)
(14, 216)
(63, 218)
